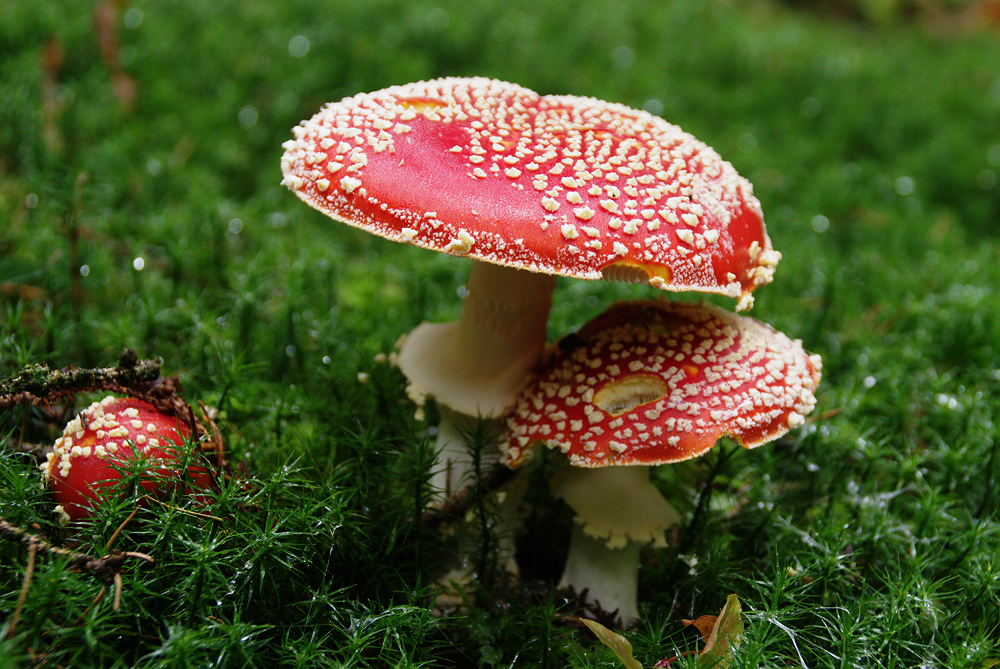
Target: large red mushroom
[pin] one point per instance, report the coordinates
(649, 383)
(529, 187)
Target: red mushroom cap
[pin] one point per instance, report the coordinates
(648, 383)
(105, 435)
(556, 184)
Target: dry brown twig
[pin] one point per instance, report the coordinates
(37, 385)
(105, 569)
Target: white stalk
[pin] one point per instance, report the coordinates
(478, 364)
(455, 472)
(475, 366)
(609, 575)
(454, 469)
(618, 509)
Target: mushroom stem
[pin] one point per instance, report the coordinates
(478, 364)
(456, 437)
(618, 509)
(610, 576)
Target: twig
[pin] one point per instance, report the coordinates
(24, 592)
(213, 437)
(668, 661)
(24, 423)
(118, 593)
(118, 577)
(104, 569)
(178, 509)
(37, 384)
(114, 537)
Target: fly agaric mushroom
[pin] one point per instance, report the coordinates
(96, 444)
(529, 187)
(649, 383)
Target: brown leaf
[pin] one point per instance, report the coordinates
(704, 625)
(721, 635)
(724, 637)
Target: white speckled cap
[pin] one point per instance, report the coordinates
(556, 184)
(654, 382)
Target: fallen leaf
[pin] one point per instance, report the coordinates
(704, 625)
(616, 642)
(725, 636)
(721, 634)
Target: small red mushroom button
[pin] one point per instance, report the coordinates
(101, 440)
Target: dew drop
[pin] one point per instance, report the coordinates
(298, 46)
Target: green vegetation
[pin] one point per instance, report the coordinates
(140, 207)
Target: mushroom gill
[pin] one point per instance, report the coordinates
(625, 273)
(622, 395)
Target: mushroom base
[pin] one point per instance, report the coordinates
(457, 436)
(610, 576)
(455, 472)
